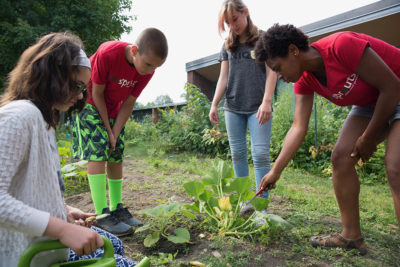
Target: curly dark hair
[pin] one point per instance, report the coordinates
(45, 75)
(276, 40)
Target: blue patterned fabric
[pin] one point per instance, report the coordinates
(118, 251)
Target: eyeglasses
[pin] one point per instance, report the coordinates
(81, 87)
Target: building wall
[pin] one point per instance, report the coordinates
(206, 86)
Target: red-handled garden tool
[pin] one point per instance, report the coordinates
(259, 193)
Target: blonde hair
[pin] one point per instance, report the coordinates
(225, 14)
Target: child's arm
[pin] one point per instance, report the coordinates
(99, 101)
(80, 239)
(123, 115)
(265, 109)
(219, 92)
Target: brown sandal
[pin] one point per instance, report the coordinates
(329, 241)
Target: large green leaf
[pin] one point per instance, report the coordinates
(195, 206)
(212, 178)
(194, 188)
(240, 184)
(151, 239)
(143, 228)
(206, 195)
(224, 170)
(81, 163)
(68, 168)
(247, 196)
(157, 211)
(278, 221)
(189, 214)
(171, 209)
(213, 202)
(182, 235)
(259, 203)
(70, 174)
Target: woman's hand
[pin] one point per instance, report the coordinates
(213, 115)
(79, 217)
(364, 149)
(268, 182)
(264, 113)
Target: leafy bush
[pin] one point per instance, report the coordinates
(190, 128)
(136, 132)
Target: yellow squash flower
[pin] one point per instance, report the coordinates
(224, 203)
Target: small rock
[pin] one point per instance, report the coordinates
(216, 254)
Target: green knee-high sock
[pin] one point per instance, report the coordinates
(97, 183)
(114, 192)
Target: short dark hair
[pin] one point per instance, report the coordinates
(276, 40)
(152, 39)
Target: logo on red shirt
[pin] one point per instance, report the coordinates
(348, 86)
(122, 82)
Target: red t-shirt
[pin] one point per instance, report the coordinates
(110, 67)
(341, 53)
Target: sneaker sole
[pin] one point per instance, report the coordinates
(123, 234)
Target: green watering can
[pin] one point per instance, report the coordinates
(106, 261)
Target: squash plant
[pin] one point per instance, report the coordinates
(163, 219)
(219, 195)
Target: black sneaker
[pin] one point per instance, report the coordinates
(125, 216)
(107, 221)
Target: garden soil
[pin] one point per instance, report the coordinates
(140, 191)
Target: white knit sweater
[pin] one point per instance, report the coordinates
(29, 187)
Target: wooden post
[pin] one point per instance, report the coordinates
(155, 117)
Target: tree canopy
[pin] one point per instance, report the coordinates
(23, 21)
(163, 100)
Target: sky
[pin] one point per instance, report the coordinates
(190, 27)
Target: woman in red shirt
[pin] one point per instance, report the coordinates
(347, 68)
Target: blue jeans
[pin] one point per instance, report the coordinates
(236, 126)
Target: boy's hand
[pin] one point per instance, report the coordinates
(112, 142)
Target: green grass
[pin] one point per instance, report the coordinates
(313, 209)
(307, 202)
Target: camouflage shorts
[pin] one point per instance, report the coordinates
(90, 138)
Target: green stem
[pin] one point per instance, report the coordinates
(237, 205)
(243, 233)
(212, 216)
(248, 219)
